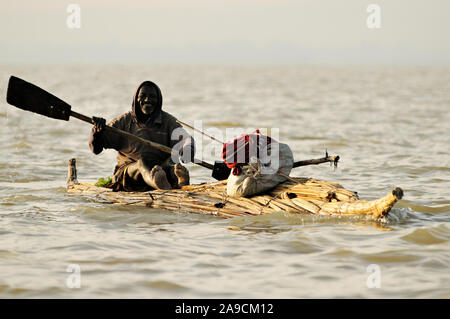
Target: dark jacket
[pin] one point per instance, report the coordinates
(158, 127)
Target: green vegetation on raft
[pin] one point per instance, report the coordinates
(102, 182)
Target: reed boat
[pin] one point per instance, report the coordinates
(295, 196)
(298, 195)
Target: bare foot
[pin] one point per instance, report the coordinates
(159, 178)
(182, 173)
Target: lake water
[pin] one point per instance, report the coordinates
(389, 125)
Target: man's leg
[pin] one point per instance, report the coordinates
(153, 176)
(182, 174)
(177, 174)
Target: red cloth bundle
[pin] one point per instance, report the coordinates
(239, 151)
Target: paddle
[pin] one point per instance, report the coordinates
(30, 97)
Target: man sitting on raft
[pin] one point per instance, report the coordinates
(258, 163)
(140, 167)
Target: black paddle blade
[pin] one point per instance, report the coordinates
(220, 171)
(29, 97)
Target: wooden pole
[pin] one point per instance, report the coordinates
(72, 172)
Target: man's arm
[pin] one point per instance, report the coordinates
(101, 138)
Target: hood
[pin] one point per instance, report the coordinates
(136, 109)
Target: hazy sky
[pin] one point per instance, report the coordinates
(232, 31)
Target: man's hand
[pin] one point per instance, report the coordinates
(99, 124)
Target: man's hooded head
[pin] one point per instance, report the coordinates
(147, 101)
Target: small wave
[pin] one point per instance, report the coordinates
(282, 221)
(20, 199)
(20, 145)
(13, 291)
(400, 214)
(426, 169)
(59, 132)
(225, 124)
(342, 252)
(429, 235)
(165, 285)
(8, 165)
(305, 138)
(425, 209)
(337, 144)
(7, 254)
(14, 177)
(137, 216)
(111, 260)
(390, 256)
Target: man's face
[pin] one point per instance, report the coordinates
(147, 99)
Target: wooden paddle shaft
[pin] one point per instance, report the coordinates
(316, 161)
(114, 130)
